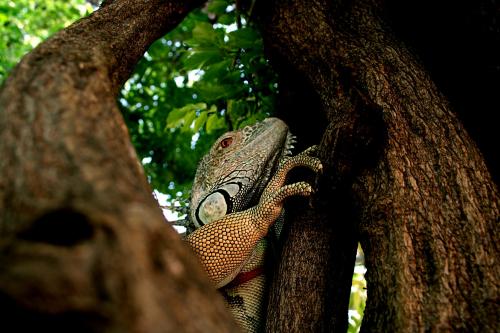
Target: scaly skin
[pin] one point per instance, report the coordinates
(230, 239)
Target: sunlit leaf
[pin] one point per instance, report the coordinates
(184, 115)
(214, 123)
(188, 120)
(204, 31)
(200, 121)
(200, 58)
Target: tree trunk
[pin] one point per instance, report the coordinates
(84, 246)
(425, 207)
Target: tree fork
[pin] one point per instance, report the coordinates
(428, 208)
(84, 245)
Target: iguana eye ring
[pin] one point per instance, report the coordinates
(226, 142)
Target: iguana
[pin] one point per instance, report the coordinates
(237, 195)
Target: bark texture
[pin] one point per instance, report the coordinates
(84, 246)
(426, 208)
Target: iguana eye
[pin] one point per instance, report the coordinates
(226, 142)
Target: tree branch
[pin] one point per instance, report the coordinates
(83, 241)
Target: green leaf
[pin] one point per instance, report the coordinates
(205, 35)
(217, 71)
(212, 92)
(214, 123)
(236, 109)
(183, 115)
(217, 7)
(199, 58)
(203, 30)
(227, 19)
(200, 121)
(244, 38)
(188, 120)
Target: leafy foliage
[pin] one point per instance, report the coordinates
(25, 23)
(357, 300)
(206, 77)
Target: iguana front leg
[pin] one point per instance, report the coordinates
(223, 246)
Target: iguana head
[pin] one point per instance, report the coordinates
(234, 173)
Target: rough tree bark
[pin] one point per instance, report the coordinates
(401, 175)
(84, 246)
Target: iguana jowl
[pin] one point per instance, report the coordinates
(238, 193)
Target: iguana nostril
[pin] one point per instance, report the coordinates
(62, 227)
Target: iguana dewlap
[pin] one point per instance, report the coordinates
(238, 193)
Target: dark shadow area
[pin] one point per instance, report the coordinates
(458, 43)
(62, 227)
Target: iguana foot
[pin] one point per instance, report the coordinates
(304, 159)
